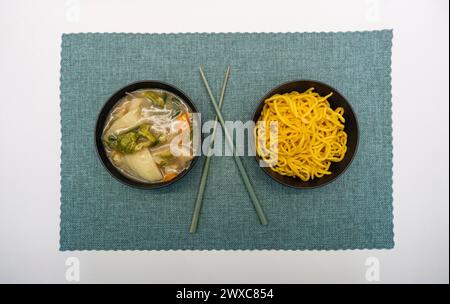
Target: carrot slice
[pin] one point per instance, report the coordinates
(184, 117)
(169, 176)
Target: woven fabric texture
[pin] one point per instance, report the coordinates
(353, 212)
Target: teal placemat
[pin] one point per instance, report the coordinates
(99, 213)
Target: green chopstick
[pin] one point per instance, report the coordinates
(205, 169)
(251, 191)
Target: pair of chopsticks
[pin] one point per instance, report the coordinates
(219, 118)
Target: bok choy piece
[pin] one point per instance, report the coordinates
(132, 141)
(142, 164)
(129, 120)
(154, 98)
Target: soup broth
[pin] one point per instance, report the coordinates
(148, 136)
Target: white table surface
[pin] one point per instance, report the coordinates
(30, 36)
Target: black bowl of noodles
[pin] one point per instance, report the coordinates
(314, 138)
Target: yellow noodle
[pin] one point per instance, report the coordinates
(310, 134)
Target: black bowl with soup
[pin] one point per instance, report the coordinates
(144, 134)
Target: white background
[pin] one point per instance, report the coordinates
(30, 34)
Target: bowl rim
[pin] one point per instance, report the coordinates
(102, 154)
(257, 113)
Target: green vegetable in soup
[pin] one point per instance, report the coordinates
(163, 156)
(155, 98)
(111, 141)
(144, 131)
(126, 142)
(175, 113)
(174, 104)
(132, 141)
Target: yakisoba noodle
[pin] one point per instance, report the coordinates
(310, 134)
